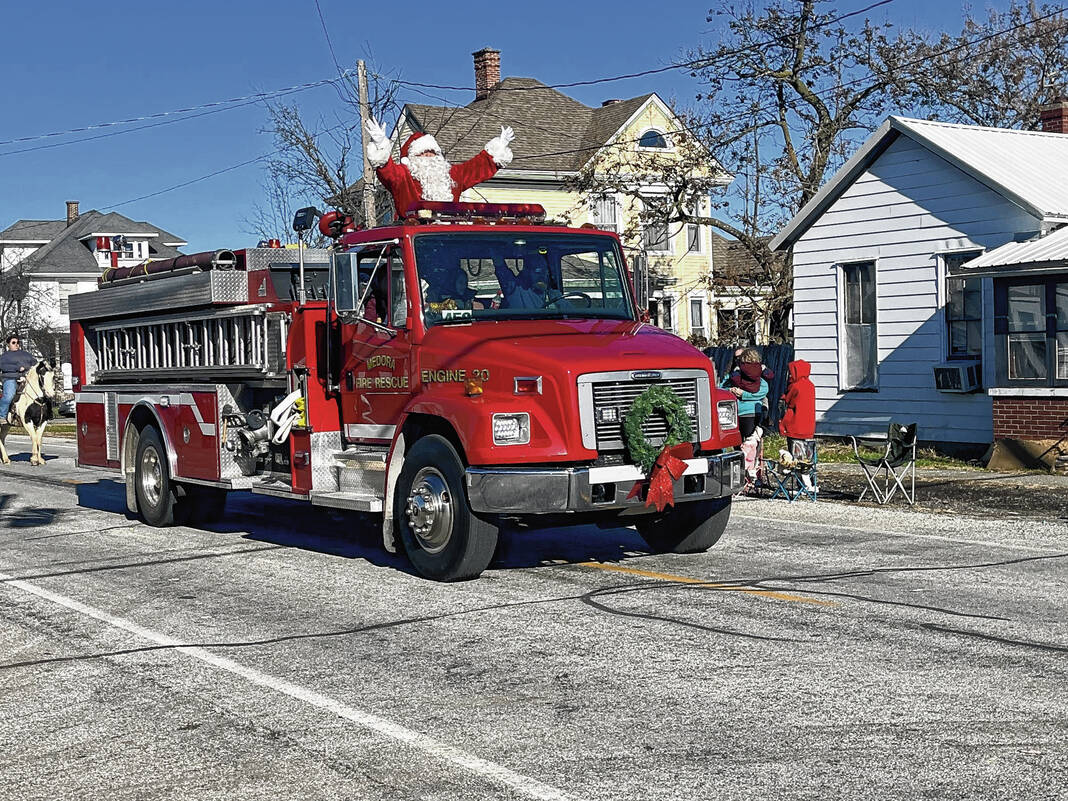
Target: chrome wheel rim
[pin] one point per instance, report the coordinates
(430, 510)
(151, 477)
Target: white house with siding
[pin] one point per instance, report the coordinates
(882, 294)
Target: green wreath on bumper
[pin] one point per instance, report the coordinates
(662, 398)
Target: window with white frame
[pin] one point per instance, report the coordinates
(859, 335)
(654, 140)
(736, 326)
(655, 237)
(697, 317)
(964, 308)
(693, 231)
(661, 313)
(66, 289)
(604, 213)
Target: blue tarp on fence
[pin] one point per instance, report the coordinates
(775, 358)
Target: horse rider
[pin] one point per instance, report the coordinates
(14, 362)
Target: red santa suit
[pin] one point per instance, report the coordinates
(406, 188)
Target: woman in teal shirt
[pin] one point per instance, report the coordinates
(749, 387)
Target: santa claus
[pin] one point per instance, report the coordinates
(424, 174)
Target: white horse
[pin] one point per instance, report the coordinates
(33, 407)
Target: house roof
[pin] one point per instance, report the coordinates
(555, 133)
(33, 230)
(732, 264)
(1029, 168)
(67, 254)
(1048, 251)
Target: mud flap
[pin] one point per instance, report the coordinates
(393, 470)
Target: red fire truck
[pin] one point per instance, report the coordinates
(464, 368)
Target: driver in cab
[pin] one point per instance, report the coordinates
(523, 290)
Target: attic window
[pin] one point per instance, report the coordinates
(653, 139)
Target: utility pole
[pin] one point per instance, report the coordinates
(369, 217)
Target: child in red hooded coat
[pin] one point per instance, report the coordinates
(799, 421)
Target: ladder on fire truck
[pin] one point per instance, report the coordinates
(232, 343)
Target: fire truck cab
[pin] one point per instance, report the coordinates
(465, 368)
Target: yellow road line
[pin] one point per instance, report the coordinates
(775, 594)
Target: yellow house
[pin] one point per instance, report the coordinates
(557, 137)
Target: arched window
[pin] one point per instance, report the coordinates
(653, 138)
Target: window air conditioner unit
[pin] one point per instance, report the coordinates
(958, 376)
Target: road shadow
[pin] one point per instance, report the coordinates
(538, 547)
(353, 535)
(26, 516)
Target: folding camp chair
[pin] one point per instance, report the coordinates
(796, 478)
(898, 462)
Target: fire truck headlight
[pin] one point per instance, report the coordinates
(511, 429)
(608, 414)
(728, 414)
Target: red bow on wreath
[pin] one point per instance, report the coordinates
(667, 469)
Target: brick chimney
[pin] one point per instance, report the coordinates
(1053, 116)
(72, 212)
(487, 71)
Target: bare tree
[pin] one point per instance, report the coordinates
(786, 93)
(998, 71)
(25, 309)
(791, 89)
(317, 162)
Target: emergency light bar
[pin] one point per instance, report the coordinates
(427, 211)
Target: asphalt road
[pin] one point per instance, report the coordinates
(818, 652)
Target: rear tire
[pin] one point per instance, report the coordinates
(156, 492)
(443, 538)
(687, 528)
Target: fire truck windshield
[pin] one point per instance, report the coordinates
(520, 275)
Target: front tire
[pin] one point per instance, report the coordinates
(687, 528)
(156, 492)
(443, 538)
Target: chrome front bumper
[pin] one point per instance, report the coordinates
(590, 489)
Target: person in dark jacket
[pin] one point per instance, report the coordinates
(14, 363)
(799, 421)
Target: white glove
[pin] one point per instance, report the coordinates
(379, 146)
(498, 148)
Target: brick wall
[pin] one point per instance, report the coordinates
(1030, 418)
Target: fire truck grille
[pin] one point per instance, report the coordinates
(612, 401)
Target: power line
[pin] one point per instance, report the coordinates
(694, 64)
(243, 101)
(929, 56)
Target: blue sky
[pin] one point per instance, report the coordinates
(69, 64)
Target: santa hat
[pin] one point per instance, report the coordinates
(418, 143)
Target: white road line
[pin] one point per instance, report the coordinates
(843, 527)
(524, 785)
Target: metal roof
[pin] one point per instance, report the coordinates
(1050, 250)
(1029, 168)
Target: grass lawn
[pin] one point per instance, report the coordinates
(64, 429)
(831, 451)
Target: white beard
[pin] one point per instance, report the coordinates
(432, 173)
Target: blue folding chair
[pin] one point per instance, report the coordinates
(798, 479)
